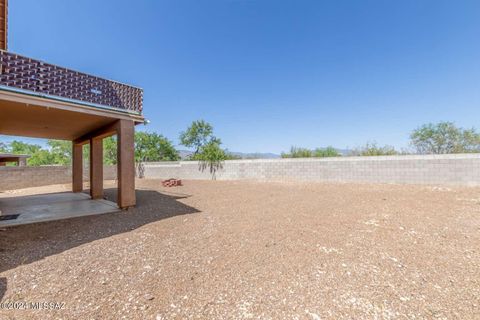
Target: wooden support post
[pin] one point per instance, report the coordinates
(77, 167)
(126, 163)
(96, 168)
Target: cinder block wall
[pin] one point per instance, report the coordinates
(24, 177)
(457, 169)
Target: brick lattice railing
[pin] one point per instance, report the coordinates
(40, 77)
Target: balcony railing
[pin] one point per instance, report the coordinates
(36, 77)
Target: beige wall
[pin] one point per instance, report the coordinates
(24, 177)
(458, 169)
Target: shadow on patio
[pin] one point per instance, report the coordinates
(26, 244)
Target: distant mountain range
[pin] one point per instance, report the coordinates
(255, 155)
(184, 154)
(344, 152)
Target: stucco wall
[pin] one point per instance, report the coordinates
(24, 177)
(458, 169)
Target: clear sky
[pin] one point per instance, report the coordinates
(269, 74)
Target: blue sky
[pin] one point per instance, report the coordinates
(269, 74)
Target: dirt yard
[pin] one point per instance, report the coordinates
(240, 250)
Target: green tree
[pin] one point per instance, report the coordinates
(470, 141)
(20, 147)
(154, 147)
(211, 156)
(3, 147)
(444, 137)
(326, 152)
(110, 150)
(41, 158)
(207, 147)
(200, 133)
(148, 147)
(38, 156)
(372, 149)
(61, 151)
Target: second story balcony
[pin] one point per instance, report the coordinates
(34, 77)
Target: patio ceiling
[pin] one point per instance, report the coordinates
(31, 116)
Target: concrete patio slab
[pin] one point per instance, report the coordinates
(52, 206)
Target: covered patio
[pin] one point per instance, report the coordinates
(41, 100)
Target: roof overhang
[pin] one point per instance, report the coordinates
(7, 157)
(44, 117)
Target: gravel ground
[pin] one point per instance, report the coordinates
(240, 250)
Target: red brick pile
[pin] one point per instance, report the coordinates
(172, 183)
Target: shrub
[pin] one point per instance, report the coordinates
(372, 149)
(326, 152)
(296, 152)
